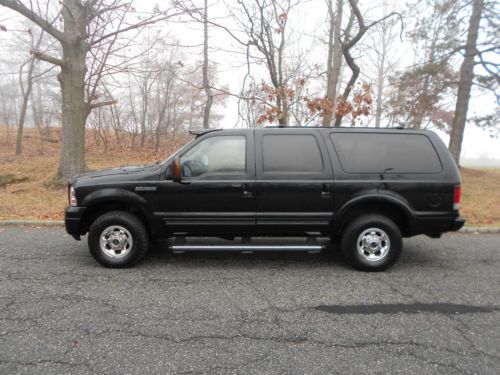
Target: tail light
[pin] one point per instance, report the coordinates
(456, 197)
(72, 196)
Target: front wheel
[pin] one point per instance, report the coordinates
(118, 239)
(372, 243)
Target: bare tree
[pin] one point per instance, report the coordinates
(206, 80)
(383, 61)
(87, 25)
(140, 104)
(8, 104)
(465, 83)
(265, 24)
(334, 60)
(45, 99)
(26, 90)
(349, 44)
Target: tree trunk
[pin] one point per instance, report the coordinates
(206, 81)
(144, 109)
(282, 103)
(334, 62)
(465, 84)
(347, 35)
(24, 106)
(381, 80)
(380, 90)
(37, 115)
(75, 110)
(143, 132)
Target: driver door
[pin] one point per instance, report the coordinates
(217, 188)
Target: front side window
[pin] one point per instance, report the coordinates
(221, 154)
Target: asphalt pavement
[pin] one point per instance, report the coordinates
(437, 311)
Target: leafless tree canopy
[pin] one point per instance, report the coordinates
(142, 75)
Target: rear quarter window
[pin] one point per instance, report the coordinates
(386, 152)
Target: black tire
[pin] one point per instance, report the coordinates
(135, 236)
(381, 248)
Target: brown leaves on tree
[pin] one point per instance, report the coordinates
(359, 105)
(270, 95)
(321, 106)
(282, 18)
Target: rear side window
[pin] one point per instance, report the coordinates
(290, 153)
(390, 153)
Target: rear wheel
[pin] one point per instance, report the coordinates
(372, 243)
(118, 239)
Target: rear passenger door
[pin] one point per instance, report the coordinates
(294, 181)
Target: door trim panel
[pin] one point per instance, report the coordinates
(207, 218)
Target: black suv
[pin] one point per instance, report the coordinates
(367, 187)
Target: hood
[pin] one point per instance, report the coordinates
(137, 172)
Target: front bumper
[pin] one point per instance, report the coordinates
(457, 224)
(72, 220)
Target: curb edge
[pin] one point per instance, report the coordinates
(60, 223)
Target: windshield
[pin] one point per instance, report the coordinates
(175, 153)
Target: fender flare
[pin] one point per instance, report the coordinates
(119, 196)
(390, 198)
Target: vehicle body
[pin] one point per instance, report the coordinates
(369, 187)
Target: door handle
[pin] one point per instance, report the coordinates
(246, 192)
(326, 191)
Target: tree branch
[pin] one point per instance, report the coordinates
(131, 27)
(31, 15)
(102, 104)
(50, 59)
(485, 64)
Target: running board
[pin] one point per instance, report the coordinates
(246, 248)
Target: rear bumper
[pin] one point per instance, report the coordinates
(457, 224)
(432, 225)
(72, 220)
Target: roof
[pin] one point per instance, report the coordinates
(356, 129)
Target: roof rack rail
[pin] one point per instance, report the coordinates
(294, 127)
(198, 132)
(332, 127)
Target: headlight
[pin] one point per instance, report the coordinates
(72, 196)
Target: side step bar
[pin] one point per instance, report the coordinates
(246, 248)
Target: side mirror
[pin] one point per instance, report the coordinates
(176, 170)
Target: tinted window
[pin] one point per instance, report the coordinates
(223, 154)
(291, 153)
(376, 153)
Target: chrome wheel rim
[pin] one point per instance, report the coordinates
(373, 244)
(116, 241)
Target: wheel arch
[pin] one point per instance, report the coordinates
(394, 208)
(106, 200)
